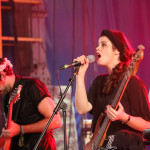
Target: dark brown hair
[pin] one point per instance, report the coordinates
(120, 42)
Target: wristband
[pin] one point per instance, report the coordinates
(21, 130)
(127, 120)
(21, 139)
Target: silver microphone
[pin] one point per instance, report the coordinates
(91, 59)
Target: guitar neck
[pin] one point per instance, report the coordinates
(10, 109)
(120, 91)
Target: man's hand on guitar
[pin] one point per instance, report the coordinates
(12, 131)
(113, 114)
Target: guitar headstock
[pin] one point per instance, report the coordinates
(136, 59)
(139, 54)
(15, 94)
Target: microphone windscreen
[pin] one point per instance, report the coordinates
(91, 58)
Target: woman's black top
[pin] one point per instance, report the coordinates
(134, 100)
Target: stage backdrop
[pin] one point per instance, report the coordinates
(73, 28)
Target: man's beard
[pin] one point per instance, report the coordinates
(6, 90)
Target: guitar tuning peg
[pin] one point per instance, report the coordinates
(141, 47)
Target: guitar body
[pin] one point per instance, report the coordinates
(89, 144)
(96, 135)
(7, 144)
(2, 141)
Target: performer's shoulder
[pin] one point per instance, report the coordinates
(136, 80)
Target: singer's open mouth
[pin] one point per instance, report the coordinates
(98, 55)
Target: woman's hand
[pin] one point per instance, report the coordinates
(113, 114)
(12, 131)
(85, 63)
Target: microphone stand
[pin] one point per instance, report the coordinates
(64, 107)
(57, 108)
